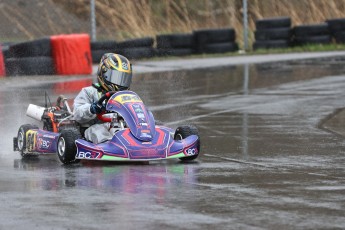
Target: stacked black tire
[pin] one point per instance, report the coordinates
(337, 29)
(101, 47)
(215, 40)
(29, 58)
(273, 33)
(311, 34)
(175, 44)
(133, 49)
(137, 48)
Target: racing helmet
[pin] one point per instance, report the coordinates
(114, 72)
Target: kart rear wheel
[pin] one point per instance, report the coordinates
(66, 147)
(21, 139)
(184, 131)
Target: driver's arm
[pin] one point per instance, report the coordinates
(82, 105)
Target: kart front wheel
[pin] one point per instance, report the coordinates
(184, 131)
(66, 147)
(22, 140)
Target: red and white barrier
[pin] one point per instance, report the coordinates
(72, 54)
(2, 64)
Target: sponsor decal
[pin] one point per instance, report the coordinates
(145, 131)
(87, 155)
(191, 151)
(31, 140)
(49, 136)
(141, 115)
(145, 135)
(137, 108)
(43, 144)
(124, 66)
(124, 98)
(147, 143)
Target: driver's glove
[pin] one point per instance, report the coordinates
(95, 108)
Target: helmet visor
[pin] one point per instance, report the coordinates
(118, 78)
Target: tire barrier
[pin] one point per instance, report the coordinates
(72, 54)
(135, 43)
(320, 39)
(132, 49)
(138, 52)
(272, 33)
(271, 44)
(6, 52)
(137, 48)
(29, 66)
(29, 58)
(97, 54)
(276, 33)
(206, 39)
(223, 47)
(271, 23)
(35, 48)
(104, 45)
(337, 29)
(101, 47)
(339, 37)
(311, 34)
(175, 44)
(175, 52)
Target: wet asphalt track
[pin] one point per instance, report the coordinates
(265, 164)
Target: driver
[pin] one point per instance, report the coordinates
(114, 74)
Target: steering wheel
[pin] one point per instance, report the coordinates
(106, 96)
(60, 102)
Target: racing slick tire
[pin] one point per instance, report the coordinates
(21, 139)
(66, 148)
(184, 131)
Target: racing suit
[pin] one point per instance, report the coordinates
(97, 131)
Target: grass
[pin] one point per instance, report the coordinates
(305, 48)
(120, 20)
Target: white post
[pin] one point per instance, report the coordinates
(245, 25)
(93, 20)
(245, 114)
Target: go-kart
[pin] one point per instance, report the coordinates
(136, 136)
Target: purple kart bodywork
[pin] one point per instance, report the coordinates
(142, 140)
(139, 140)
(124, 146)
(42, 141)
